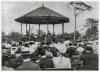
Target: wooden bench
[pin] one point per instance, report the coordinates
(76, 68)
(57, 68)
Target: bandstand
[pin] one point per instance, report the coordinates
(40, 16)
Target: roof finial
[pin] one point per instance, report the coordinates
(42, 4)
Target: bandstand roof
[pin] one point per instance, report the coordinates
(42, 15)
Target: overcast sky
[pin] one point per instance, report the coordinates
(13, 10)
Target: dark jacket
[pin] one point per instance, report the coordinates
(53, 51)
(70, 51)
(28, 65)
(13, 63)
(20, 60)
(90, 59)
(46, 63)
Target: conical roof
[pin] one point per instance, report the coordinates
(42, 15)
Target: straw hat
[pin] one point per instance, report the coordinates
(61, 48)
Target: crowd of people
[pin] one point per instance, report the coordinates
(53, 55)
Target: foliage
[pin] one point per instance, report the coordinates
(90, 22)
(72, 35)
(3, 36)
(14, 36)
(92, 28)
(3, 33)
(79, 7)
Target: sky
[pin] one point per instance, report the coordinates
(12, 10)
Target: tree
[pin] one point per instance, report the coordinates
(14, 36)
(92, 28)
(79, 7)
(71, 35)
(4, 37)
(3, 33)
(90, 22)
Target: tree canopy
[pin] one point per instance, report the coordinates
(80, 7)
(14, 36)
(92, 28)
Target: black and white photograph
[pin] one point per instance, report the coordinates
(50, 35)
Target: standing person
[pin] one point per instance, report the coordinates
(44, 62)
(61, 61)
(49, 37)
(28, 65)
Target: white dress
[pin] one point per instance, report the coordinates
(61, 62)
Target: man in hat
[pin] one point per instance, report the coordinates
(44, 62)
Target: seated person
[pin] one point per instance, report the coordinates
(75, 60)
(44, 62)
(70, 51)
(48, 53)
(19, 58)
(89, 58)
(29, 64)
(61, 61)
(5, 64)
(54, 51)
(13, 62)
(80, 49)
